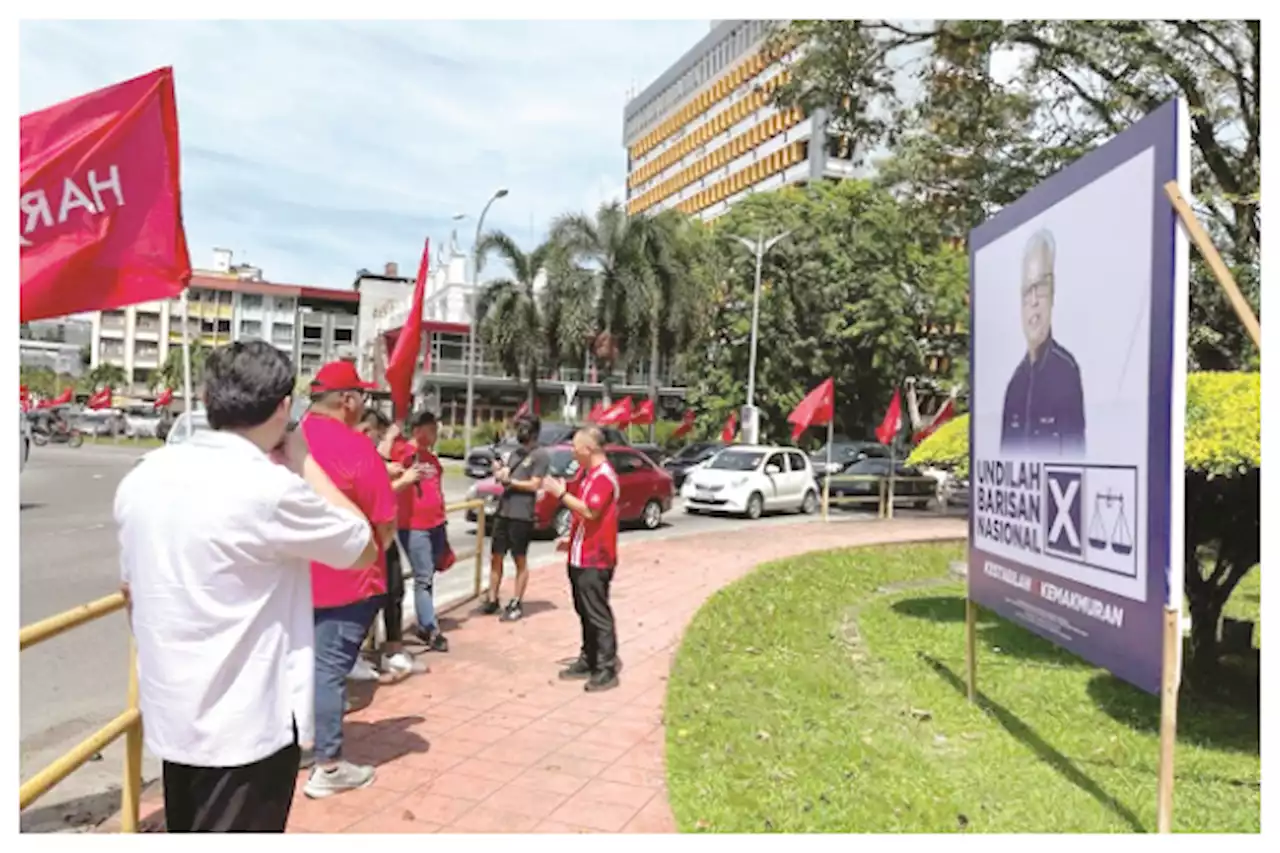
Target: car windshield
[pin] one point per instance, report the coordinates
(877, 467)
(697, 452)
(562, 463)
(178, 433)
(737, 460)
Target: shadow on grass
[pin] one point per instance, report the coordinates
(1028, 736)
(994, 633)
(1219, 714)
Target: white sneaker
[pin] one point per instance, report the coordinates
(344, 777)
(402, 664)
(363, 671)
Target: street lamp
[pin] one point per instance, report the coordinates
(751, 424)
(471, 339)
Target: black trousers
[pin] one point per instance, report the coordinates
(393, 609)
(252, 798)
(591, 600)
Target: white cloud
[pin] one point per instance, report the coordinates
(315, 148)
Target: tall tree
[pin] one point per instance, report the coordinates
(107, 376)
(511, 321)
(859, 291)
(615, 248)
(170, 373)
(977, 139)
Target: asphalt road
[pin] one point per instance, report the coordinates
(73, 684)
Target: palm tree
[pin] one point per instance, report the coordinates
(170, 373)
(615, 248)
(107, 376)
(510, 319)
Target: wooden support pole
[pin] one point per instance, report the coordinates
(1210, 252)
(1169, 679)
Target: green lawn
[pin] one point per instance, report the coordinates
(824, 694)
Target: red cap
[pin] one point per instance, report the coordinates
(339, 376)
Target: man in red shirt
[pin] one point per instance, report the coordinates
(593, 555)
(345, 602)
(422, 525)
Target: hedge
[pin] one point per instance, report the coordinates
(1224, 429)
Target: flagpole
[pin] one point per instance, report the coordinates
(826, 479)
(186, 364)
(893, 464)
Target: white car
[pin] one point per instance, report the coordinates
(752, 480)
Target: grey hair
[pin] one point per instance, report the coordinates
(1042, 239)
(595, 435)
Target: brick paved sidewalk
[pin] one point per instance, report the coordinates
(491, 741)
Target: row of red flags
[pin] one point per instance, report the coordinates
(100, 399)
(818, 408)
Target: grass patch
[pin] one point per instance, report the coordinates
(824, 694)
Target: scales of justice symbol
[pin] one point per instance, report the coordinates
(1120, 537)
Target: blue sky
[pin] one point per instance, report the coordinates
(312, 149)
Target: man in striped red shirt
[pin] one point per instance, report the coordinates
(593, 555)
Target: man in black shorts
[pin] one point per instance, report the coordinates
(521, 475)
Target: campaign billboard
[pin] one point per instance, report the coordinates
(1078, 365)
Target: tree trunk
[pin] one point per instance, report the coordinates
(1206, 615)
(532, 395)
(653, 377)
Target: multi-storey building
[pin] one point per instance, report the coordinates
(226, 303)
(705, 133)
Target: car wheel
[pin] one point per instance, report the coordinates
(652, 515)
(755, 506)
(560, 524)
(810, 504)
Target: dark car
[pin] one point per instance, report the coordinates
(654, 451)
(864, 477)
(844, 453)
(690, 456)
(480, 462)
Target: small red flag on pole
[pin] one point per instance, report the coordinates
(892, 423)
(404, 359)
(619, 414)
(686, 424)
(816, 409)
(643, 414)
(730, 428)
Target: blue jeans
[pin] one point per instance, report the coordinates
(422, 547)
(339, 634)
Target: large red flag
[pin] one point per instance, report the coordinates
(643, 414)
(99, 209)
(594, 415)
(686, 424)
(730, 428)
(944, 414)
(816, 409)
(165, 398)
(404, 358)
(619, 414)
(892, 422)
(100, 399)
(24, 398)
(60, 400)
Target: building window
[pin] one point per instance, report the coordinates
(250, 329)
(312, 333)
(343, 336)
(250, 300)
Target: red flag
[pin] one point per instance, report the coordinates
(60, 400)
(524, 409)
(686, 424)
(816, 409)
(165, 398)
(24, 398)
(594, 415)
(100, 210)
(730, 428)
(892, 422)
(404, 359)
(643, 414)
(100, 399)
(946, 413)
(619, 414)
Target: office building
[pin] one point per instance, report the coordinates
(705, 133)
(327, 321)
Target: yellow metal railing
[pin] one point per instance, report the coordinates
(129, 722)
(884, 506)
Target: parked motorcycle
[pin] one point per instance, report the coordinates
(68, 435)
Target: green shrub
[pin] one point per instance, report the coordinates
(947, 448)
(450, 448)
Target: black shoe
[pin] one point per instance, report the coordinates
(489, 608)
(433, 640)
(576, 670)
(605, 679)
(513, 612)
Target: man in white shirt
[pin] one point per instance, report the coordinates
(216, 539)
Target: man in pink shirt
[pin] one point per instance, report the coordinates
(345, 602)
